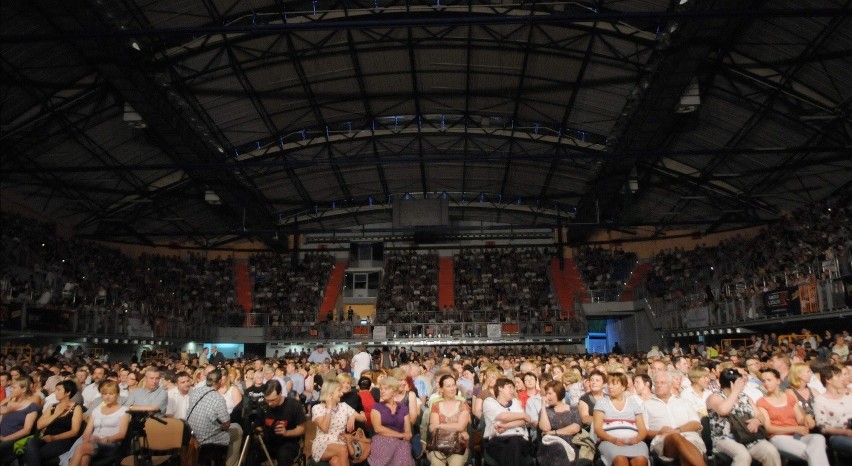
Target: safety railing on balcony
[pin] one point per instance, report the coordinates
(808, 297)
(491, 330)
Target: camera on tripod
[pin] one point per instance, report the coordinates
(136, 431)
(254, 410)
(138, 417)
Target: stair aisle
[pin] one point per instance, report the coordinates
(567, 284)
(446, 284)
(637, 278)
(332, 291)
(243, 285)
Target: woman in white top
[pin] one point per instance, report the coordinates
(106, 428)
(332, 419)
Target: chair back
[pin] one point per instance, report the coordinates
(164, 437)
(310, 435)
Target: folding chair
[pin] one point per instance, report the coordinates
(164, 440)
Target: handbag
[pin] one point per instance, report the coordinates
(358, 446)
(447, 442)
(740, 431)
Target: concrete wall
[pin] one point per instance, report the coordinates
(633, 333)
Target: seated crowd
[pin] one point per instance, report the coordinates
(764, 402)
(289, 293)
(605, 272)
(810, 243)
(44, 268)
(502, 280)
(409, 287)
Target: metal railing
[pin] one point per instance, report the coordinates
(693, 311)
(350, 330)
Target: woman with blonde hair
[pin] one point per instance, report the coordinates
(105, 430)
(233, 403)
(698, 392)
(332, 419)
(351, 398)
(491, 374)
(572, 379)
(797, 380)
(392, 425)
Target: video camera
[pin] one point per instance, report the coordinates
(138, 417)
(254, 410)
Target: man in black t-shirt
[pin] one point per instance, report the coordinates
(283, 425)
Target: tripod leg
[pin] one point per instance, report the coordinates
(244, 450)
(259, 439)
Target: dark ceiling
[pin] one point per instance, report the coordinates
(123, 119)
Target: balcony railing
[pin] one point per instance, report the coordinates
(811, 298)
(350, 330)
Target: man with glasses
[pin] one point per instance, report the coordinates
(754, 387)
(283, 426)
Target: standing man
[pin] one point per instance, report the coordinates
(319, 355)
(151, 395)
(216, 358)
(361, 361)
(673, 425)
(210, 420)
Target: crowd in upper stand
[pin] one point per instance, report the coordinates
(409, 287)
(809, 243)
(42, 267)
(46, 269)
(605, 271)
(503, 280)
(289, 293)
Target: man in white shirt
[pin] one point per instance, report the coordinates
(91, 391)
(179, 395)
(361, 361)
(673, 425)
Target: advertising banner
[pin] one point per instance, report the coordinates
(782, 301)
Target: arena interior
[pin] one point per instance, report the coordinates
(492, 177)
